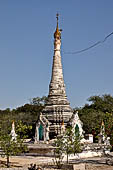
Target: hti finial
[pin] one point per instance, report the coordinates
(57, 33)
(57, 15)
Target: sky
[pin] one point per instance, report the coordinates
(26, 49)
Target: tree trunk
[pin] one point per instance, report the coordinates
(67, 152)
(67, 157)
(7, 161)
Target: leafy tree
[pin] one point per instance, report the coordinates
(77, 145)
(58, 153)
(108, 121)
(93, 113)
(102, 103)
(68, 144)
(28, 114)
(23, 129)
(40, 101)
(72, 142)
(11, 147)
(5, 119)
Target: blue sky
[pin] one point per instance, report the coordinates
(26, 49)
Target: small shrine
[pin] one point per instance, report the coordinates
(102, 137)
(42, 129)
(13, 133)
(77, 125)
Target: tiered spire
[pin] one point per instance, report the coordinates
(57, 108)
(57, 87)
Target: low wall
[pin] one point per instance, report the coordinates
(89, 150)
(41, 151)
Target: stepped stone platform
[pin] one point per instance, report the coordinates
(47, 149)
(40, 149)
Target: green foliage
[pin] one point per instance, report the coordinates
(67, 144)
(72, 142)
(59, 145)
(77, 144)
(108, 121)
(23, 129)
(58, 153)
(100, 108)
(103, 103)
(27, 115)
(11, 147)
(39, 101)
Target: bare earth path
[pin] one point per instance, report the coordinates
(23, 162)
(27, 160)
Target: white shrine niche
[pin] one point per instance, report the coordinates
(42, 129)
(77, 125)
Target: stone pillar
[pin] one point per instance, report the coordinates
(44, 133)
(36, 133)
(47, 133)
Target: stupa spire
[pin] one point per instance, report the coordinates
(57, 108)
(57, 86)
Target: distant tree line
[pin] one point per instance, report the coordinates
(98, 109)
(25, 117)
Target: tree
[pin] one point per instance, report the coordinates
(40, 101)
(23, 129)
(108, 121)
(95, 112)
(58, 152)
(28, 114)
(11, 147)
(72, 143)
(68, 144)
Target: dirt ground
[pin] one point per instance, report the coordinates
(23, 162)
(98, 167)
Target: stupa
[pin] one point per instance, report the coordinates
(57, 109)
